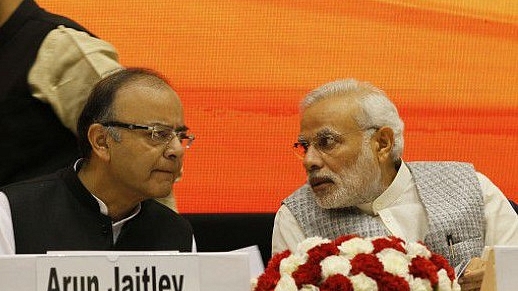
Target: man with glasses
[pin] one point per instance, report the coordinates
(132, 138)
(351, 144)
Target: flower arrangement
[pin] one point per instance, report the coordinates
(354, 263)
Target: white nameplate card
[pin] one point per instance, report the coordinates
(506, 269)
(112, 271)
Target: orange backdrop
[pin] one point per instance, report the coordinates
(241, 68)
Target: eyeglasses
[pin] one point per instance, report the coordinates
(324, 142)
(159, 133)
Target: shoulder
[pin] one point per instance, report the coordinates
(439, 168)
(70, 54)
(39, 185)
(32, 196)
(55, 20)
(427, 164)
(301, 200)
(37, 17)
(302, 192)
(63, 35)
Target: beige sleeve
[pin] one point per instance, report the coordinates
(68, 64)
(501, 219)
(287, 233)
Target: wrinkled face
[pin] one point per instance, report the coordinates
(140, 165)
(340, 164)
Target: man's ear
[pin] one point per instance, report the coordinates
(384, 143)
(98, 138)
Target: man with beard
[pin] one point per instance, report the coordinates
(132, 137)
(351, 144)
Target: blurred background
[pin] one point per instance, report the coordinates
(241, 68)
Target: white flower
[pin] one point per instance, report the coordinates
(286, 283)
(333, 265)
(455, 285)
(444, 282)
(415, 249)
(394, 262)
(419, 284)
(361, 282)
(355, 246)
(253, 283)
(290, 264)
(309, 243)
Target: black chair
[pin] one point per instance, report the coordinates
(221, 232)
(514, 205)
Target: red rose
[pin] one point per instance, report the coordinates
(397, 239)
(267, 281)
(442, 263)
(336, 282)
(320, 252)
(367, 264)
(425, 269)
(271, 276)
(384, 243)
(310, 273)
(390, 282)
(307, 273)
(275, 261)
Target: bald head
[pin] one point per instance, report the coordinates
(100, 104)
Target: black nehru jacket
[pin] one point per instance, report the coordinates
(34, 141)
(56, 212)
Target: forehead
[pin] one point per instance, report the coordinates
(333, 113)
(148, 103)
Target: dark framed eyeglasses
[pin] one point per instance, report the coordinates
(159, 132)
(324, 142)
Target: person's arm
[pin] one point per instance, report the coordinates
(501, 229)
(287, 233)
(7, 246)
(501, 219)
(68, 64)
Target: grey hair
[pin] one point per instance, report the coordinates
(115, 134)
(376, 108)
(106, 115)
(99, 107)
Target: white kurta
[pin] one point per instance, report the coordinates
(400, 209)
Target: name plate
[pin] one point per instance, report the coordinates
(125, 272)
(505, 267)
(114, 273)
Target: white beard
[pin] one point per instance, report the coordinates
(357, 184)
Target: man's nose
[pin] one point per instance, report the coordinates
(174, 149)
(312, 159)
